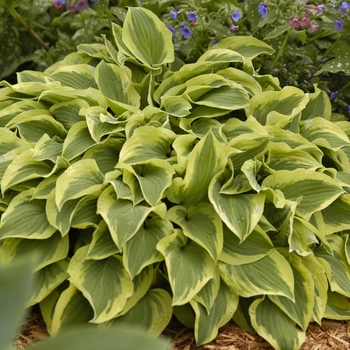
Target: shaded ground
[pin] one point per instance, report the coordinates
(332, 335)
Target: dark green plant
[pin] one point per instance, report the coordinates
(150, 187)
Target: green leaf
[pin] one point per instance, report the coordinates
(45, 251)
(115, 83)
(207, 324)
(256, 246)
(277, 31)
(246, 46)
(240, 212)
(114, 287)
(47, 149)
(77, 141)
(305, 184)
(301, 309)
(340, 64)
(275, 326)
(16, 281)
(47, 279)
(26, 218)
(277, 107)
(194, 187)
(147, 37)
(338, 307)
(80, 179)
(71, 309)
(189, 266)
(140, 250)
(147, 143)
(24, 168)
(201, 224)
(319, 105)
(153, 312)
(122, 217)
(251, 279)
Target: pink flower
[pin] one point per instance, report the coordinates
(295, 23)
(313, 27)
(305, 21)
(232, 27)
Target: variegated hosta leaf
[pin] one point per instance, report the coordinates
(142, 283)
(23, 168)
(282, 157)
(128, 183)
(194, 187)
(248, 47)
(299, 310)
(47, 149)
(115, 83)
(271, 275)
(201, 224)
(221, 55)
(320, 286)
(102, 245)
(240, 212)
(305, 184)
(77, 141)
(207, 325)
(175, 105)
(147, 143)
(67, 112)
(79, 76)
(275, 326)
(85, 215)
(338, 307)
(71, 309)
(47, 279)
(26, 218)
(336, 215)
(319, 105)
(324, 133)
(140, 250)
(11, 111)
(61, 219)
(44, 251)
(277, 107)
(153, 45)
(336, 265)
(189, 266)
(253, 248)
(122, 217)
(80, 179)
(346, 240)
(154, 178)
(153, 312)
(107, 297)
(208, 294)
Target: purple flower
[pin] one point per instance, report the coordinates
(344, 6)
(95, 1)
(232, 27)
(262, 9)
(313, 27)
(215, 41)
(333, 95)
(83, 4)
(305, 21)
(319, 8)
(173, 14)
(192, 17)
(338, 25)
(236, 16)
(171, 29)
(185, 31)
(71, 7)
(348, 108)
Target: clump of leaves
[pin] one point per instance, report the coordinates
(147, 187)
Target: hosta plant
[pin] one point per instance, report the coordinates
(147, 188)
(16, 284)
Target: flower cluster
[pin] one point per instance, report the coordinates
(78, 6)
(344, 9)
(186, 21)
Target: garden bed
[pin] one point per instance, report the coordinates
(331, 335)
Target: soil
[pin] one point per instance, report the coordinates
(330, 335)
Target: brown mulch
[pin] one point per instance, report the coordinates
(331, 335)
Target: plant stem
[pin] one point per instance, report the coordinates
(283, 46)
(84, 24)
(21, 20)
(344, 87)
